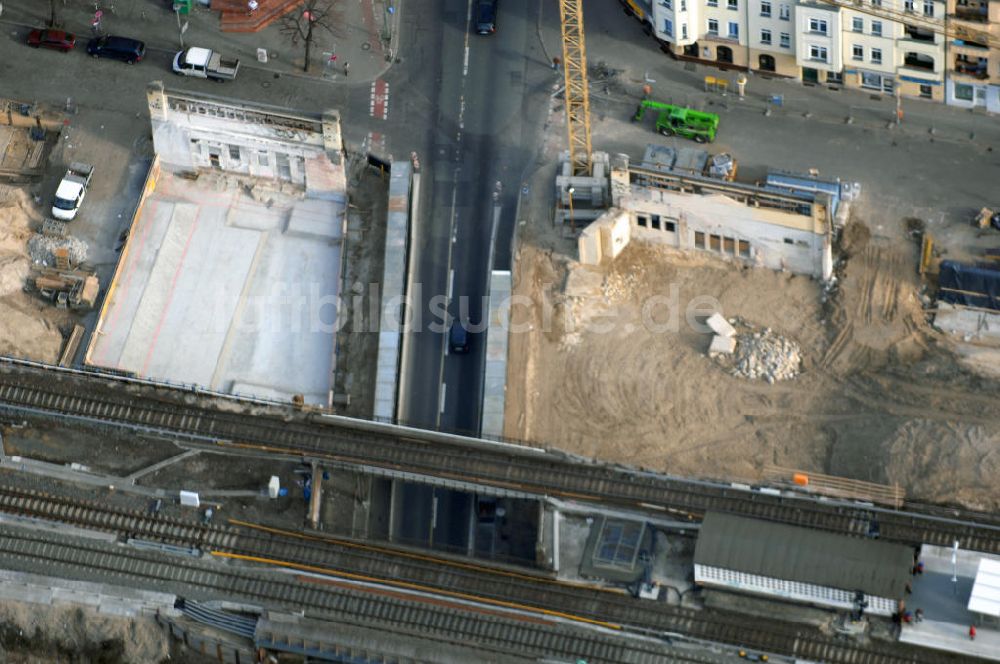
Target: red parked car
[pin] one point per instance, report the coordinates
(58, 40)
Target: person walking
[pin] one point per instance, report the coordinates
(972, 632)
(918, 616)
(347, 68)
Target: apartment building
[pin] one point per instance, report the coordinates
(973, 56)
(881, 46)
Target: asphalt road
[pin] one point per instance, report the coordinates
(484, 97)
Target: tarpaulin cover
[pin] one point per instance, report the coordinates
(969, 285)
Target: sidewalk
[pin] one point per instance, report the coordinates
(365, 34)
(618, 42)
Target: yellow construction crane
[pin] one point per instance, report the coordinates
(577, 94)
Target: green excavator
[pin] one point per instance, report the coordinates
(686, 122)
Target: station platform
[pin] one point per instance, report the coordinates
(946, 619)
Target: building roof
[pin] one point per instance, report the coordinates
(792, 553)
(985, 597)
(197, 56)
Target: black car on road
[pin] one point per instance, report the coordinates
(486, 17)
(127, 50)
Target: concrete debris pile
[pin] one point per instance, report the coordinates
(41, 248)
(766, 356)
(619, 286)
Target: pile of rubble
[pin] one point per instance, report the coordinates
(41, 248)
(766, 356)
(762, 355)
(619, 286)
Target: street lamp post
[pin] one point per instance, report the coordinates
(572, 222)
(180, 30)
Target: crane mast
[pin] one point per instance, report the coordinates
(577, 94)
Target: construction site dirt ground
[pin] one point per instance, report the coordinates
(882, 396)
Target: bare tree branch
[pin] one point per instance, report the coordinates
(303, 24)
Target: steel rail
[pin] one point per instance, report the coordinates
(98, 399)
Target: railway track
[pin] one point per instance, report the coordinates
(503, 635)
(462, 581)
(81, 396)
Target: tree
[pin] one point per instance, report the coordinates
(302, 25)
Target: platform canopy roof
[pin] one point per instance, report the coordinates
(985, 597)
(805, 555)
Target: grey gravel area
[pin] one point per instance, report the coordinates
(41, 248)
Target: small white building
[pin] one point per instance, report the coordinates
(796, 564)
(759, 226)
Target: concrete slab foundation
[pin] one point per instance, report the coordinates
(229, 286)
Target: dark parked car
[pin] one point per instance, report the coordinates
(118, 48)
(486, 17)
(58, 40)
(458, 338)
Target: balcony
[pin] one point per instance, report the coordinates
(977, 70)
(918, 61)
(971, 14)
(914, 33)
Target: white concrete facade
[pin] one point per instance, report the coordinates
(192, 132)
(717, 224)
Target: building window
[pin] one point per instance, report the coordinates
(928, 7)
(786, 40)
(789, 240)
(871, 81)
(234, 152)
(713, 27)
(765, 8)
(654, 221)
(817, 25)
(734, 30)
(699, 239)
(835, 77)
(733, 4)
(668, 27)
(908, 5)
(284, 167)
(668, 4)
(785, 12)
(744, 248)
(876, 56)
(926, 92)
(715, 242)
(642, 220)
(765, 37)
(684, 6)
(713, 3)
(859, 52)
(729, 246)
(964, 92)
(670, 225)
(262, 159)
(876, 3)
(876, 28)
(684, 30)
(817, 53)
(858, 24)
